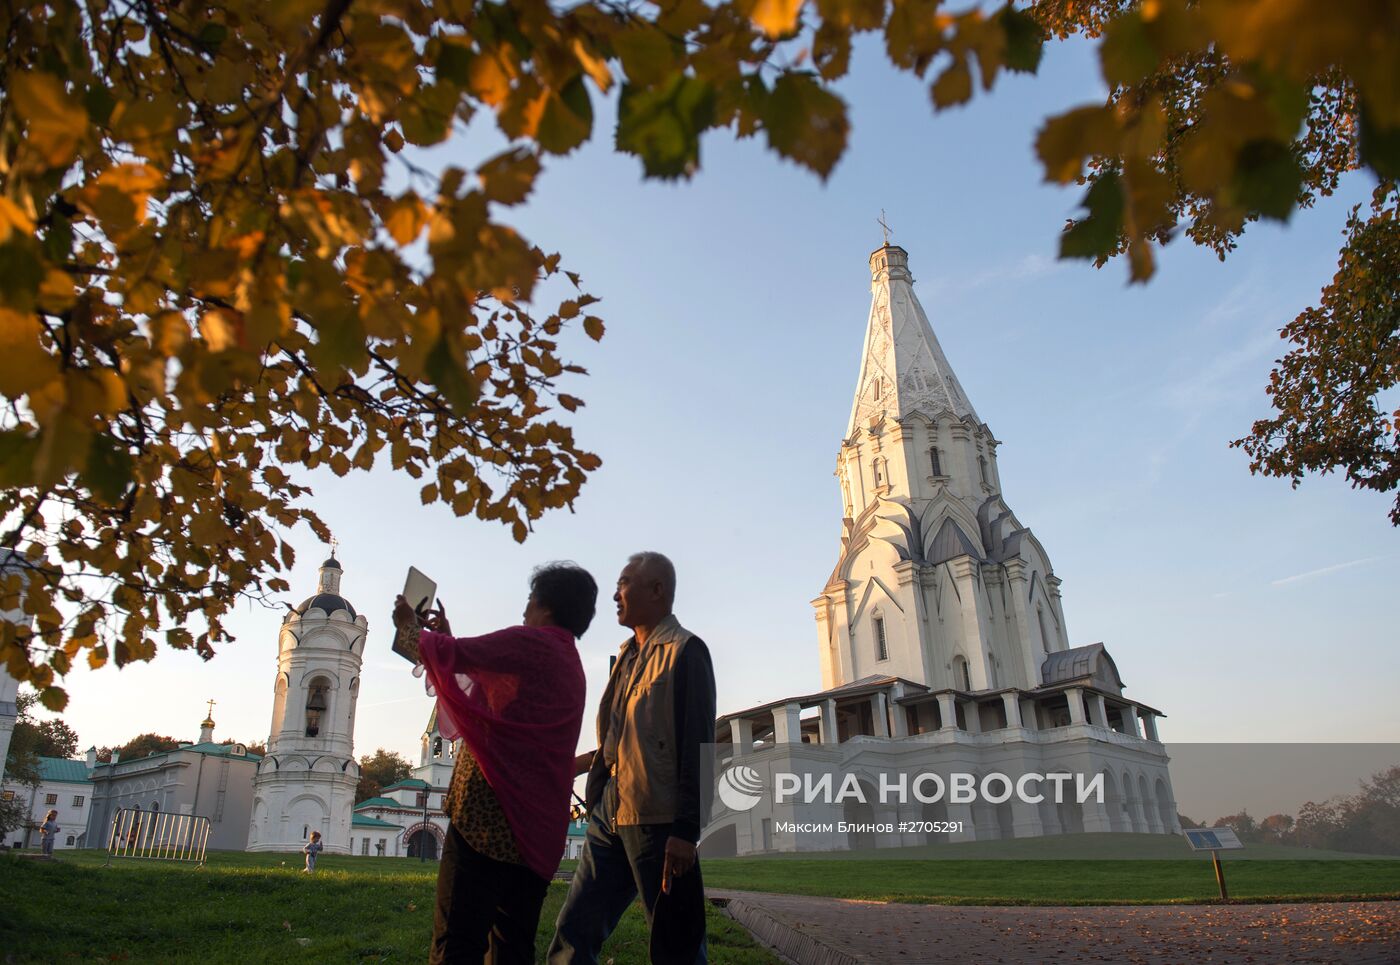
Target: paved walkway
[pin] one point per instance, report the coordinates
(834, 931)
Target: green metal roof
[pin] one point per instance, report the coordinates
(63, 771)
(412, 782)
(365, 821)
(379, 802)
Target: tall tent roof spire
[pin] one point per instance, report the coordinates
(903, 368)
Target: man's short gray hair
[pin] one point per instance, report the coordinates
(658, 567)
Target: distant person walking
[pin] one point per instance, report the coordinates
(312, 849)
(48, 833)
(516, 699)
(644, 797)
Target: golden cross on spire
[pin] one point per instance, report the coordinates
(335, 544)
(883, 226)
(211, 709)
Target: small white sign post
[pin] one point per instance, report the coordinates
(1214, 840)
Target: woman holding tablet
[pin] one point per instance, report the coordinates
(516, 698)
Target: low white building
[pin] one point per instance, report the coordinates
(401, 806)
(63, 786)
(394, 823)
(203, 779)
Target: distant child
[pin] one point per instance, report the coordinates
(312, 849)
(48, 832)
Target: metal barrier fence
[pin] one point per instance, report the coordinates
(163, 835)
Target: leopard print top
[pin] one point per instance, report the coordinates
(476, 813)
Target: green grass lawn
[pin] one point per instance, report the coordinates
(1065, 869)
(259, 908)
(255, 908)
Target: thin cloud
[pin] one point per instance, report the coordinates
(1022, 269)
(1324, 570)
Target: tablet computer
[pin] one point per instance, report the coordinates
(419, 591)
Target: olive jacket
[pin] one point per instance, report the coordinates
(662, 696)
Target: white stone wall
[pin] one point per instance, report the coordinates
(213, 786)
(73, 802)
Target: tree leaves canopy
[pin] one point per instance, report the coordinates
(378, 771)
(219, 264)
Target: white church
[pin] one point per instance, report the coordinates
(941, 631)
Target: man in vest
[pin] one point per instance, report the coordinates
(644, 795)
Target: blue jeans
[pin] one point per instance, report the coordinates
(617, 864)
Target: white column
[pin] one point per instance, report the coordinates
(1028, 716)
(1149, 724)
(787, 723)
(972, 716)
(947, 710)
(741, 733)
(962, 813)
(1075, 696)
(1025, 819)
(1098, 710)
(1096, 816)
(877, 712)
(1130, 720)
(899, 720)
(829, 732)
(1013, 709)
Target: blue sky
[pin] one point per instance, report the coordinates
(736, 307)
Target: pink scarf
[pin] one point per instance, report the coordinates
(516, 697)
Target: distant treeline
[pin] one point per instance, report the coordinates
(1367, 822)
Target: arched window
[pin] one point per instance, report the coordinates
(982, 466)
(1044, 635)
(962, 676)
(882, 648)
(437, 746)
(875, 391)
(935, 465)
(315, 706)
(879, 472)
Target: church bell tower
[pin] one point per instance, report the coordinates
(306, 781)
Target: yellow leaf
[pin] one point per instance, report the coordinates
(54, 698)
(776, 17)
(25, 364)
(57, 123)
(170, 333)
(219, 328)
(488, 77)
(953, 86)
(1066, 140)
(12, 219)
(57, 292)
(596, 66)
(507, 178)
(405, 218)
